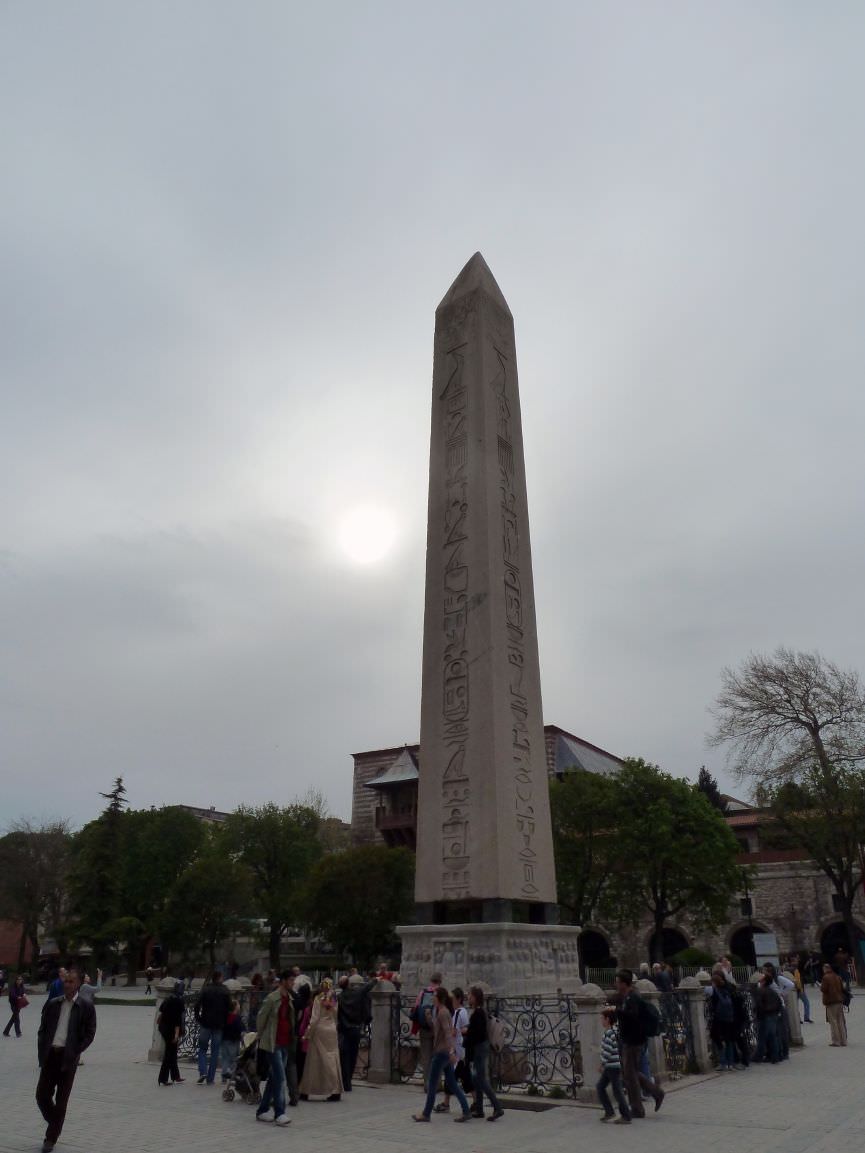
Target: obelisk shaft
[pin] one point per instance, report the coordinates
(484, 835)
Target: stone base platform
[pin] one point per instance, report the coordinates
(507, 959)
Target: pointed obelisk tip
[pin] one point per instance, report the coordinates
(475, 275)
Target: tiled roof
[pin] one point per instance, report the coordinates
(404, 768)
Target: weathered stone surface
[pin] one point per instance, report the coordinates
(510, 960)
(483, 813)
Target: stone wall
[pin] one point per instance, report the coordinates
(791, 899)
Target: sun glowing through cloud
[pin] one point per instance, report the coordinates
(367, 534)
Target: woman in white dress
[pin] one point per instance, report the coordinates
(322, 1076)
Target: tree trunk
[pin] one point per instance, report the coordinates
(853, 940)
(22, 948)
(274, 941)
(658, 936)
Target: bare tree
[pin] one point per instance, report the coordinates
(781, 713)
(795, 726)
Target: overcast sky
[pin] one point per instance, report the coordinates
(225, 228)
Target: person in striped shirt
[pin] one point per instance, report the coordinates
(611, 1071)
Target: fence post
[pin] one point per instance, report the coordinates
(381, 1034)
(588, 1003)
(699, 1030)
(791, 1002)
(164, 988)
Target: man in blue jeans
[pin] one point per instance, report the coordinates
(211, 1013)
(277, 1035)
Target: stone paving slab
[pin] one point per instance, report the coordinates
(810, 1104)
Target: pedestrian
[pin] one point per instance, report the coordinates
(422, 1024)
(148, 973)
(67, 1028)
(353, 1012)
(171, 1023)
(256, 996)
(832, 988)
(801, 995)
(723, 1030)
(443, 1059)
(17, 1002)
(55, 989)
(231, 1036)
(460, 1024)
(302, 997)
(768, 1008)
(211, 1013)
(661, 979)
(322, 1075)
(611, 1071)
(782, 985)
(632, 1017)
(477, 1043)
(276, 1042)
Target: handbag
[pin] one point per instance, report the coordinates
(22, 1002)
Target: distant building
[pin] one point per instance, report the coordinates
(384, 798)
(789, 896)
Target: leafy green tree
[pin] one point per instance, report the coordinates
(708, 786)
(584, 817)
(133, 857)
(95, 875)
(34, 861)
(357, 897)
(794, 725)
(279, 846)
(209, 902)
(674, 853)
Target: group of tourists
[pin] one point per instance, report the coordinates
(454, 1045)
(305, 1042)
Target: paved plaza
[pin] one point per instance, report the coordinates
(811, 1104)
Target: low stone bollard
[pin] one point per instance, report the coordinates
(164, 988)
(385, 1002)
(699, 1029)
(589, 1000)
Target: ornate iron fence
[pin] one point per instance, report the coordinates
(541, 1054)
(677, 1034)
(405, 1047)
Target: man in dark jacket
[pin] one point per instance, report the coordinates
(211, 1013)
(632, 1037)
(353, 1012)
(67, 1028)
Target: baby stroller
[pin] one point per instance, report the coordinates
(245, 1080)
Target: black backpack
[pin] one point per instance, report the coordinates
(650, 1019)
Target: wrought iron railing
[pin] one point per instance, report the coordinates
(541, 1054)
(677, 1033)
(405, 1046)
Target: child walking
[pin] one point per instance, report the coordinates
(611, 1071)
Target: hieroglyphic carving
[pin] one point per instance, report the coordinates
(455, 668)
(524, 807)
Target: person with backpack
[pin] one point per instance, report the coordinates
(443, 1059)
(638, 1021)
(479, 1043)
(422, 1016)
(611, 1071)
(723, 1029)
(834, 996)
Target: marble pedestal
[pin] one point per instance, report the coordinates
(510, 960)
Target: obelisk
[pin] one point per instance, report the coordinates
(485, 882)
